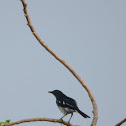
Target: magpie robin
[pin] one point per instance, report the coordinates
(66, 104)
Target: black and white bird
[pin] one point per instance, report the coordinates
(66, 104)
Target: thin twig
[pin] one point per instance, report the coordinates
(120, 123)
(95, 109)
(38, 119)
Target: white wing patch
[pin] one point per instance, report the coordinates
(63, 103)
(69, 105)
(58, 101)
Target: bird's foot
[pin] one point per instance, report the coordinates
(68, 122)
(61, 119)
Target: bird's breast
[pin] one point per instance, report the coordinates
(65, 110)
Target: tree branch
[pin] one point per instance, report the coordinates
(120, 123)
(95, 109)
(38, 119)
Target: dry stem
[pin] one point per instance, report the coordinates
(120, 123)
(95, 109)
(38, 119)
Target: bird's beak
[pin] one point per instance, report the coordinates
(49, 91)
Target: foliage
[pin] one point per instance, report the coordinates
(7, 121)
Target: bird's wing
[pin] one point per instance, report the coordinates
(67, 102)
(71, 103)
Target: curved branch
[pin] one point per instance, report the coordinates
(95, 109)
(38, 119)
(120, 123)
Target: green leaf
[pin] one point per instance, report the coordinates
(1, 123)
(7, 121)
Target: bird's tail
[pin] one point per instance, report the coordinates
(83, 114)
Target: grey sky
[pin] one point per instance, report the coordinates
(89, 35)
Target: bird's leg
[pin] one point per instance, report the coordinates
(70, 117)
(63, 117)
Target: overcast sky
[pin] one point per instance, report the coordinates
(90, 35)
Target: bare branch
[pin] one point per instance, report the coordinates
(95, 109)
(38, 119)
(120, 123)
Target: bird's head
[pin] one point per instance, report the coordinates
(56, 93)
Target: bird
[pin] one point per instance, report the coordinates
(66, 104)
